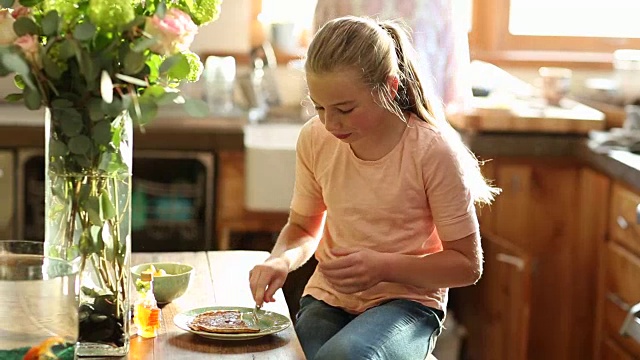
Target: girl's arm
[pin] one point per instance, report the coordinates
(458, 264)
(295, 245)
(298, 240)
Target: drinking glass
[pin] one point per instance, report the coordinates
(38, 303)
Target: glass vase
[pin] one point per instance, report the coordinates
(87, 218)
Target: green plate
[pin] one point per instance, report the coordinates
(270, 322)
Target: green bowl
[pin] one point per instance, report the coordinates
(168, 287)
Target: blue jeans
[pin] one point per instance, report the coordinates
(395, 330)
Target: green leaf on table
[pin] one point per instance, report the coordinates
(108, 210)
(134, 62)
(196, 107)
(57, 148)
(102, 132)
(71, 126)
(25, 26)
(79, 145)
(32, 98)
(50, 23)
(84, 31)
(14, 97)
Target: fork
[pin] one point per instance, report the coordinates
(255, 314)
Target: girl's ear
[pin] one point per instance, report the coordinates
(393, 82)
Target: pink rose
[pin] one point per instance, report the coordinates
(173, 34)
(7, 35)
(31, 49)
(19, 11)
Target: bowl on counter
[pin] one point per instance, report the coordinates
(173, 282)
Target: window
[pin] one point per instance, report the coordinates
(555, 31)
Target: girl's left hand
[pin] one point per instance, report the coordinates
(353, 270)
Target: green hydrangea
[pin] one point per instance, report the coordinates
(195, 66)
(68, 10)
(202, 11)
(110, 14)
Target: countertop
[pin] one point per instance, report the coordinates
(174, 130)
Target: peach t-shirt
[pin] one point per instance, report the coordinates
(406, 202)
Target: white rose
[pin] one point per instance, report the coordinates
(7, 35)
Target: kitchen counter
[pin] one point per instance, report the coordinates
(174, 130)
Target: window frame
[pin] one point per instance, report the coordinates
(490, 40)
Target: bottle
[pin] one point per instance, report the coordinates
(147, 313)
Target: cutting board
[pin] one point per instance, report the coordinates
(528, 115)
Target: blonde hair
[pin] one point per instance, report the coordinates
(379, 49)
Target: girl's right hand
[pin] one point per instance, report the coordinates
(265, 279)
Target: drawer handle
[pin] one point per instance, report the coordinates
(631, 325)
(616, 299)
(511, 260)
(622, 222)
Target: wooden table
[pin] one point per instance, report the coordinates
(221, 279)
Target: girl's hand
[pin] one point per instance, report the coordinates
(265, 279)
(353, 270)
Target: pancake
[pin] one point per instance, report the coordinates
(222, 322)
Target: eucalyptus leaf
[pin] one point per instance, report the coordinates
(19, 65)
(18, 81)
(86, 242)
(84, 31)
(14, 97)
(80, 144)
(67, 50)
(93, 209)
(32, 98)
(29, 3)
(169, 62)
(71, 126)
(57, 148)
(50, 23)
(51, 68)
(114, 108)
(108, 210)
(6, 3)
(25, 26)
(196, 107)
(143, 44)
(101, 132)
(161, 10)
(96, 113)
(133, 62)
(82, 160)
(61, 103)
(146, 111)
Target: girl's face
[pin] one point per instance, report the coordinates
(346, 107)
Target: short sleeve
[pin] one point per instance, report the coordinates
(449, 198)
(307, 194)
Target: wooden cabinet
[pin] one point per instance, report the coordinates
(540, 240)
(231, 214)
(619, 287)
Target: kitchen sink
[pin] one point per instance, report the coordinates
(270, 161)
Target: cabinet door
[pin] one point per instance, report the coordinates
(496, 310)
(611, 351)
(7, 194)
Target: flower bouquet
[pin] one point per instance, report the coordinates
(98, 67)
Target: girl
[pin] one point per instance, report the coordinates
(384, 196)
